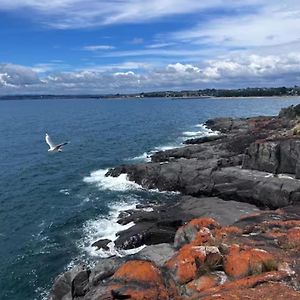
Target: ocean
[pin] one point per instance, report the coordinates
(54, 205)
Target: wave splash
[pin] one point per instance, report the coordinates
(119, 184)
(107, 228)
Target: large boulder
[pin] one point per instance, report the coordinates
(276, 156)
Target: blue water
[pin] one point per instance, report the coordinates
(52, 206)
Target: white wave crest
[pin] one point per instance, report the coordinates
(120, 183)
(167, 147)
(143, 157)
(204, 131)
(107, 228)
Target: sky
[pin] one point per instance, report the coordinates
(127, 46)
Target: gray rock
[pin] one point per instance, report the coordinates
(158, 254)
(103, 243)
(104, 269)
(80, 283)
(62, 287)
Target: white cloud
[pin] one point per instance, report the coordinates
(237, 71)
(17, 76)
(86, 13)
(98, 47)
(274, 23)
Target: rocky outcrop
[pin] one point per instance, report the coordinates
(214, 242)
(160, 225)
(258, 252)
(212, 166)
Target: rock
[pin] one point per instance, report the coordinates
(158, 254)
(277, 156)
(291, 240)
(255, 187)
(102, 244)
(248, 282)
(144, 233)
(204, 139)
(188, 232)
(205, 282)
(188, 263)
(62, 287)
(267, 291)
(161, 224)
(104, 269)
(243, 262)
(139, 280)
(80, 283)
(291, 112)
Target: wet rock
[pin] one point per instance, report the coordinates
(102, 244)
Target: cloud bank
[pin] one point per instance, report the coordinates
(239, 71)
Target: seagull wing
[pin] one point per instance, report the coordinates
(60, 145)
(49, 142)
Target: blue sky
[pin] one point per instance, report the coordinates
(118, 46)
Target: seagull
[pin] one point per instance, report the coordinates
(52, 146)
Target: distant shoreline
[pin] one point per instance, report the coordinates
(76, 97)
(184, 94)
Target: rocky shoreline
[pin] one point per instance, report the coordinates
(234, 231)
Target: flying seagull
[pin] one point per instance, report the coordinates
(52, 146)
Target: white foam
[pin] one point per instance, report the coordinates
(120, 183)
(107, 228)
(204, 131)
(193, 133)
(143, 157)
(166, 147)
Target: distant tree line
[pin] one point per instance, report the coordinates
(246, 92)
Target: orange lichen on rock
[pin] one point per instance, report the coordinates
(266, 291)
(139, 280)
(240, 262)
(188, 263)
(249, 282)
(203, 237)
(204, 222)
(291, 239)
(187, 233)
(203, 283)
(220, 233)
(139, 270)
(185, 263)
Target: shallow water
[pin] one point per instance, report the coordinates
(53, 206)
